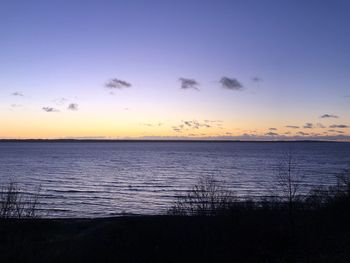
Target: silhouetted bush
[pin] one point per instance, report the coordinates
(343, 184)
(288, 181)
(15, 204)
(317, 198)
(207, 197)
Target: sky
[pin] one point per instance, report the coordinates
(240, 70)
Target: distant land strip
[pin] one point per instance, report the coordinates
(160, 140)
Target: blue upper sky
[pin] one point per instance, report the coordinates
(254, 65)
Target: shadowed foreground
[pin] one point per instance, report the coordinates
(245, 236)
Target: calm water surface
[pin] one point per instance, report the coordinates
(93, 179)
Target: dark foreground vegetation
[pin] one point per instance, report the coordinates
(248, 235)
(209, 224)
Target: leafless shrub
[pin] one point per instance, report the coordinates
(339, 194)
(343, 183)
(15, 204)
(207, 197)
(288, 187)
(271, 202)
(289, 181)
(317, 198)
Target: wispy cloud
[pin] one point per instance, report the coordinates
(18, 94)
(15, 106)
(213, 121)
(73, 107)
(230, 83)
(339, 126)
(60, 101)
(328, 116)
(191, 125)
(196, 124)
(273, 129)
(147, 124)
(188, 123)
(303, 133)
(320, 125)
(117, 84)
(256, 79)
(151, 124)
(176, 128)
(253, 137)
(308, 125)
(292, 126)
(50, 109)
(188, 83)
(335, 131)
(271, 134)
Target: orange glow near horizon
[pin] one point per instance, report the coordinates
(60, 126)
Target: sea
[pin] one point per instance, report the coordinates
(111, 178)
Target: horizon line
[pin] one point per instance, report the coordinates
(162, 140)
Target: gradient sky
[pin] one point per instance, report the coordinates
(249, 69)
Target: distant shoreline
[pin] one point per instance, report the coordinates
(161, 141)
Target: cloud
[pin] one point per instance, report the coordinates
(60, 101)
(308, 125)
(303, 133)
(336, 131)
(73, 107)
(15, 106)
(176, 129)
(147, 124)
(117, 84)
(193, 125)
(315, 134)
(273, 129)
(50, 109)
(320, 125)
(256, 79)
(230, 83)
(339, 126)
(196, 124)
(213, 121)
(189, 83)
(253, 137)
(328, 116)
(271, 134)
(292, 127)
(18, 94)
(188, 123)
